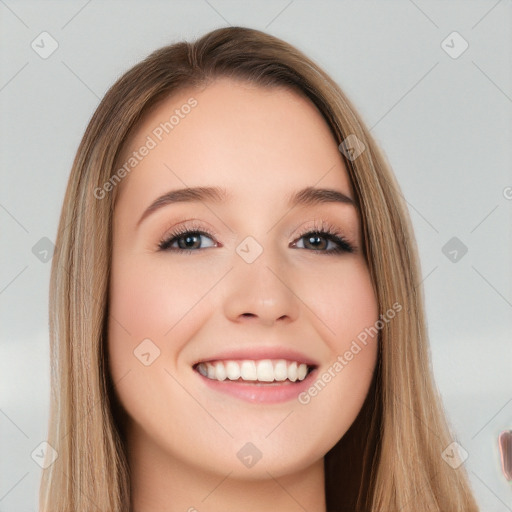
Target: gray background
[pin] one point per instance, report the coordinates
(443, 122)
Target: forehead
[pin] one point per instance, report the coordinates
(253, 141)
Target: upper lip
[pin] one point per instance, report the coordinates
(258, 353)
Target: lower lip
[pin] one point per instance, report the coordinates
(261, 393)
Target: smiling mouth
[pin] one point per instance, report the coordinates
(263, 371)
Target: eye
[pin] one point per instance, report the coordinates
(325, 239)
(321, 238)
(185, 240)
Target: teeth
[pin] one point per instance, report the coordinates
(233, 370)
(220, 371)
(248, 371)
(265, 370)
(281, 371)
(292, 371)
(301, 372)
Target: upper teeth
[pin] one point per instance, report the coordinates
(266, 370)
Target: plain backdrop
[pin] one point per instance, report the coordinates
(440, 111)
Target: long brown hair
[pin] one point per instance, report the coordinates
(391, 457)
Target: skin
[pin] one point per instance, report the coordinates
(183, 437)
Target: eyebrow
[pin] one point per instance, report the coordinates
(308, 196)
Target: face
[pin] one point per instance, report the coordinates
(233, 315)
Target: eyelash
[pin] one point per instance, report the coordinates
(322, 230)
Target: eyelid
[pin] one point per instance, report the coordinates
(321, 224)
(190, 225)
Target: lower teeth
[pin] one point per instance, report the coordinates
(287, 381)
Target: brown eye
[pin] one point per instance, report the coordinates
(318, 241)
(186, 241)
(315, 242)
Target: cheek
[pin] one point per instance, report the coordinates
(344, 301)
(347, 308)
(144, 305)
(156, 307)
(149, 299)
(153, 311)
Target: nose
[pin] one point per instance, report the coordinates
(261, 291)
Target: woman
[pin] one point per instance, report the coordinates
(236, 319)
